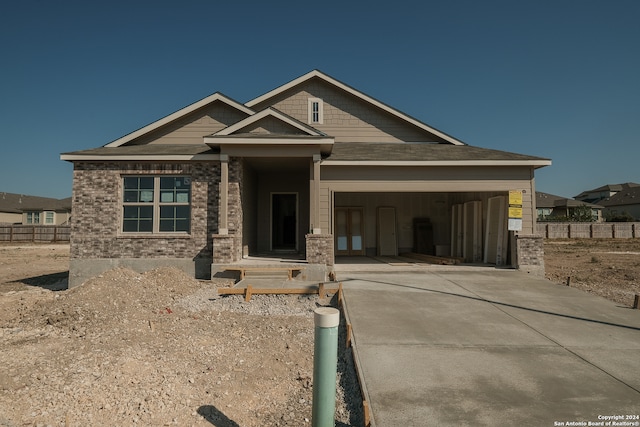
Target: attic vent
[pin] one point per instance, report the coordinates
(315, 111)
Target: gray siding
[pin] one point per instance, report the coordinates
(346, 117)
(270, 125)
(194, 126)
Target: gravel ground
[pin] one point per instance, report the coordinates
(161, 348)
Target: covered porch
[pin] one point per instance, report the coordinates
(269, 200)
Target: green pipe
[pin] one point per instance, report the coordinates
(325, 366)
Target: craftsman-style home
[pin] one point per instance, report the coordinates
(313, 168)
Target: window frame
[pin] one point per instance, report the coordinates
(33, 217)
(312, 112)
(46, 217)
(156, 205)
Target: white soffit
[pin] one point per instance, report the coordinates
(179, 114)
(357, 93)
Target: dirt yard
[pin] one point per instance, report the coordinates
(153, 349)
(161, 348)
(609, 268)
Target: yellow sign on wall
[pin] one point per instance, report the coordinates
(515, 198)
(515, 212)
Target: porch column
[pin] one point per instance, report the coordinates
(223, 219)
(314, 192)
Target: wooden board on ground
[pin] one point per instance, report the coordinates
(250, 291)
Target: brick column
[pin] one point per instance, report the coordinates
(530, 254)
(223, 249)
(320, 249)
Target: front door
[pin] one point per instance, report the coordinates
(349, 227)
(284, 220)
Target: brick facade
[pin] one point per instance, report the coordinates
(224, 249)
(320, 249)
(97, 212)
(228, 248)
(530, 254)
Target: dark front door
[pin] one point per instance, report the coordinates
(284, 219)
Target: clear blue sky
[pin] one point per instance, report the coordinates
(552, 78)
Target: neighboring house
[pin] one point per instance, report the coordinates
(624, 203)
(550, 207)
(313, 167)
(27, 210)
(606, 191)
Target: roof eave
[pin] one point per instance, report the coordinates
(139, 157)
(534, 163)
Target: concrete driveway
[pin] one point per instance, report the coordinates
(475, 346)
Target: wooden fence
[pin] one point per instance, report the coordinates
(589, 230)
(549, 230)
(34, 233)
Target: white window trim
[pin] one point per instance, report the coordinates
(320, 111)
(53, 217)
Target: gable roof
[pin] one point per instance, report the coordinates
(608, 187)
(627, 196)
(283, 135)
(178, 115)
(546, 200)
(269, 112)
(366, 98)
(230, 140)
(18, 203)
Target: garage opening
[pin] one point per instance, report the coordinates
(467, 225)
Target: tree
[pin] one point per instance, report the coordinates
(619, 217)
(582, 213)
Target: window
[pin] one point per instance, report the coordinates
(49, 217)
(315, 111)
(33, 217)
(156, 204)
